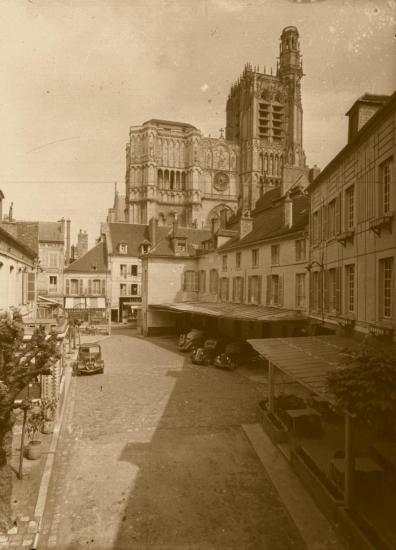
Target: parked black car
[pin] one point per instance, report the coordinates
(236, 354)
(206, 354)
(192, 340)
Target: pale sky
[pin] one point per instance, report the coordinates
(76, 74)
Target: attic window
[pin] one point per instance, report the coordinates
(123, 248)
(180, 246)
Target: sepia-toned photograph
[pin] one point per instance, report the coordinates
(197, 274)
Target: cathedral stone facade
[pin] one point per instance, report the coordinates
(174, 173)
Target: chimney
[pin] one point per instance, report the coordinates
(313, 173)
(153, 231)
(1, 205)
(288, 211)
(245, 224)
(10, 212)
(68, 222)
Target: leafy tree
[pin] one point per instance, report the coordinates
(20, 363)
(367, 387)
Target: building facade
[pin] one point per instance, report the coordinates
(353, 225)
(174, 172)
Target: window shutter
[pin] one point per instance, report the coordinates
(320, 290)
(320, 230)
(67, 287)
(104, 287)
(326, 290)
(338, 290)
(196, 281)
(260, 282)
(233, 289)
(281, 286)
(311, 292)
(242, 290)
(31, 287)
(338, 214)
(268, 291)
(249, 289)
(89, 286)
(325, 222)
(184, 283)
(227, 289)
(81, 286)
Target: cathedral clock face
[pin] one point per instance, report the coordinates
(221, 181)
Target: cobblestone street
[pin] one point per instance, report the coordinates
(152, 455)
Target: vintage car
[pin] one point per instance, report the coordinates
(192, 340)
(89, 359)
(236, 354)
(206, 354)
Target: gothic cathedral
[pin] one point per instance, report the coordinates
(174, 172)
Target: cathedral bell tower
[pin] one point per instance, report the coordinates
(290, 73)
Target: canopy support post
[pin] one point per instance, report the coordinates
(270, 387)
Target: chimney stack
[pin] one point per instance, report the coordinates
(68, 222)
(10, 212)
(245, 224)
(313, 173)
(288, 211)
(153, 231)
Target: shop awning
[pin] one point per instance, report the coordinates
(307, 360)
(240, 312)
(85, 302)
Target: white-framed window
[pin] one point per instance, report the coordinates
(255, 257)
(180, 246)
(53, 283)
(123, 271)
(386, 288)
(202, 280)
(74, 286)
(134, 290)
(123, 289)
(213, 281)
(349, 208)
(274, 292)
(133, 270)
(237, 290)
(254, 289)
(275, 250)
(190, 281)
(300, 290)
(300, 250)
(224, 262)
(350, 288)
(224, 287)
(332, 290)
(386, 185)
(238, 260)
(123, 247)
(96, 286)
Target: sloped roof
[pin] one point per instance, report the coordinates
(26, 232)
(93, 261)
(132, 234)
(164, 234)
(51, 232)
(269, 223)
(7, 236)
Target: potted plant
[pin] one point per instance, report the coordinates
(48, 410)
(34, 427)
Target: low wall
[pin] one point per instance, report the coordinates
(276, 434)
(326, 502)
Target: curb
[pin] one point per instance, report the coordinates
(46, 477)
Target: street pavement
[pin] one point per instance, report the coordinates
(152, 456)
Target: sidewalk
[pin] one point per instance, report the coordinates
(315, 529)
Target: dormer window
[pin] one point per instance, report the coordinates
(145, 247)
(180, 246)
(123, 247)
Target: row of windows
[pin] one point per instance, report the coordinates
(328, 294)
(128, 270)
(340, 213)
(237, 291)
(129, 290)
(96, 287)
(300, 255)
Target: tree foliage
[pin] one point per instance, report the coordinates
(20, 363)
(367, 387)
